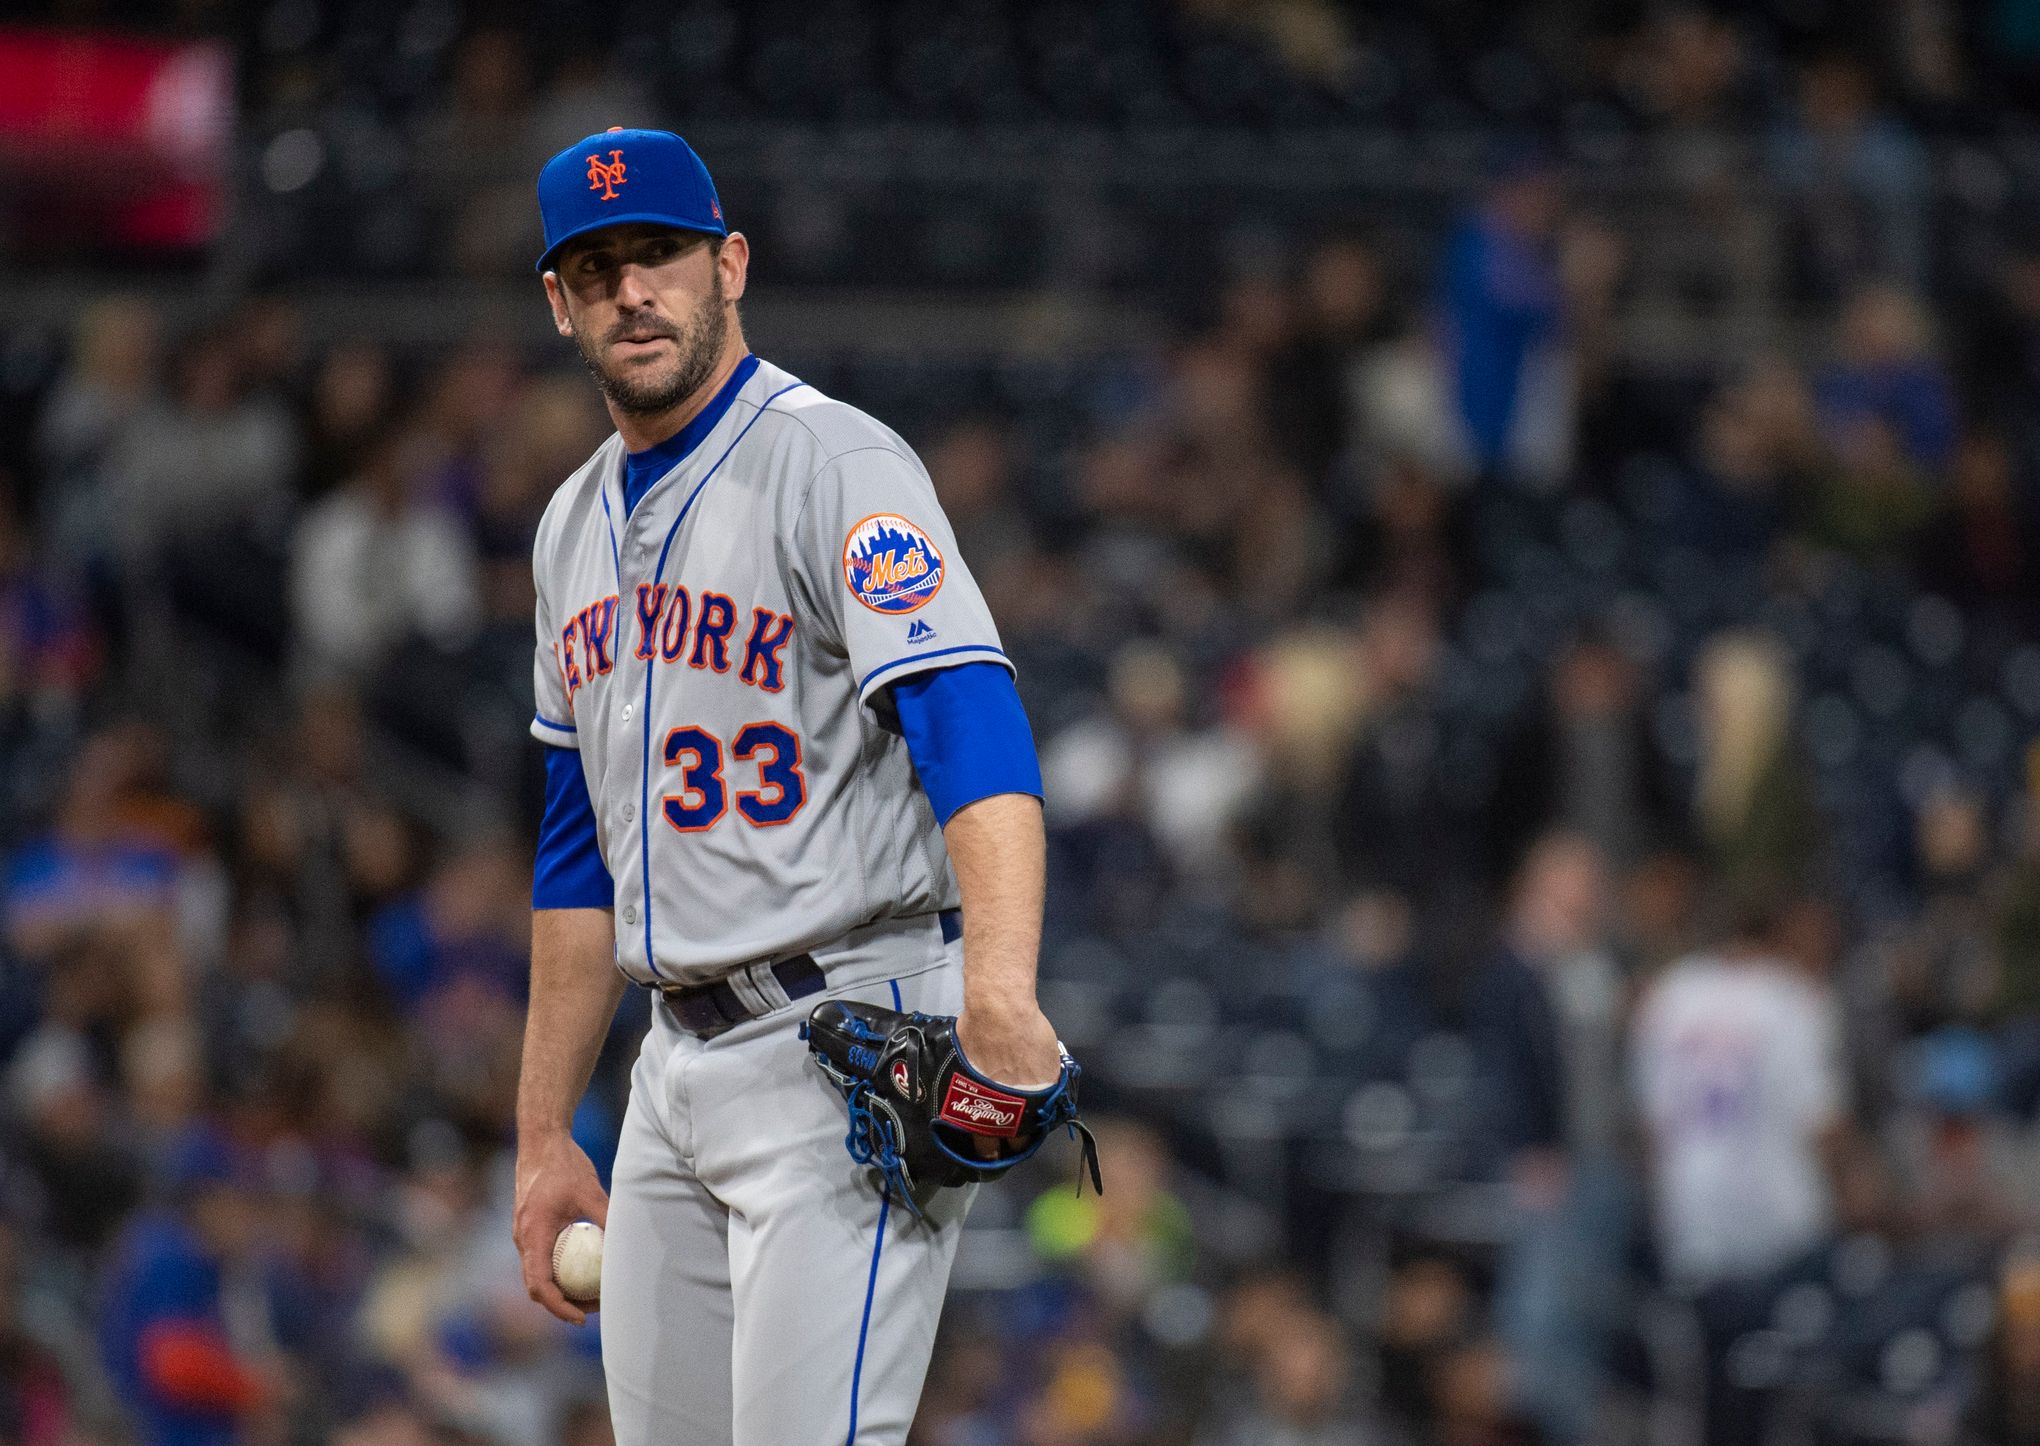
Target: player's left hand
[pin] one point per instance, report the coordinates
(1010, 1044)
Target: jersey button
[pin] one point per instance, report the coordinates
(629, 812)
(629, 915)
(626, 712)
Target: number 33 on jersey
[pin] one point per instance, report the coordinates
(720, 653)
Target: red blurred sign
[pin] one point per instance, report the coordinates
(112, 138)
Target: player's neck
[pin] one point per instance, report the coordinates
(642, 431)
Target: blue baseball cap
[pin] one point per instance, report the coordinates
(619, 176)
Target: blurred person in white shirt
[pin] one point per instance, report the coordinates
(375, 565)
(1737, 1066)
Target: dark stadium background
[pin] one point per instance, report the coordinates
(1487, 500)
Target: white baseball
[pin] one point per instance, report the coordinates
(577, 1262)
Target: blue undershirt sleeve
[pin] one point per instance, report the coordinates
(568, 873)
(967, 734)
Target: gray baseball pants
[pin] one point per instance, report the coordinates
(758, 1288)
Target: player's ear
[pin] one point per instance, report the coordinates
(735, 261)
(557, 295)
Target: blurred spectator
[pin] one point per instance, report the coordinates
(221, 455)
(1755, 813)
(1502, 317)
(110, 386)
(1739, 1081)
(1545, 1017)
(177, 1304)
(1084, 1398)
(1473, 1385)
(1940, 965)
(467, 927)
(1125, 1245)
(1957, 1162)
(1428, 1309)
(1981, 551)
(49, 650)
(87, 1177)
(1412, 537)
(320, 839)
(1588, 761)
(352, 396)
(1146, 761)
(1303, 1392)
(38, 1404)
(1395, 822)
(1754, 451)
(375, 566)
(1686, 65)
(1738, 1077)
(2001, 361)
(1887, 414)
(1343, 313)
(104, 867)
(2006, 1411)
(1304, 698)
(475, 404)
(1858, 176)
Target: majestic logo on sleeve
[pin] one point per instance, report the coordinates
(891, 565)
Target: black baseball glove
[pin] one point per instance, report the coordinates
(918, 1111)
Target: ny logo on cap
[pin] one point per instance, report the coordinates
(606, 176)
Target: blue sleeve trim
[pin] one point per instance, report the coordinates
(967, 734)
(562, 727)
(569, 872)
(986, 648)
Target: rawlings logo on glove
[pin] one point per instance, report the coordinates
(971, 1106)
(892, 1070)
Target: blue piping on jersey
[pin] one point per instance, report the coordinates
(923, 657)
(898, 1008)
(563, 727)
(615, 556)
(870, 1290)
(658, 575)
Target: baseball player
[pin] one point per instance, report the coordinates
(785, 764)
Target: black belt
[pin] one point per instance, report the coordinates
(706, 1010)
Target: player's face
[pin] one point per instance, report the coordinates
(648, 306)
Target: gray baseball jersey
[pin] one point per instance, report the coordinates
(714, 653)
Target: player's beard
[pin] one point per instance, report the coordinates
(699, 345)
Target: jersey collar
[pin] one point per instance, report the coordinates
(642, 469)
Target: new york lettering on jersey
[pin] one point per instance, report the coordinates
(667, 619)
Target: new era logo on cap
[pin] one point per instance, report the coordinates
(621, 176)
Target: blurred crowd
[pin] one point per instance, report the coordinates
(1545, 840)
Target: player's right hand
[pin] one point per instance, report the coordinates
(556, 1186)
